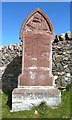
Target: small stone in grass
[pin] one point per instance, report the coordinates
(36, 112)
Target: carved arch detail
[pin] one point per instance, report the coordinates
(37, 21)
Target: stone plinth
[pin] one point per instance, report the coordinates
(27, 97)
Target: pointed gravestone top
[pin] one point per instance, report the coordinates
(36, 22)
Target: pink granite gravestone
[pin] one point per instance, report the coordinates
(36, 83)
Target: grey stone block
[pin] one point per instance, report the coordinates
(26, 97)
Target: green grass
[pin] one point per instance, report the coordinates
(0, 105)
(63, 111)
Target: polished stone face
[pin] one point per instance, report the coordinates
(37, 38)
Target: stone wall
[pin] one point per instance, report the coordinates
(11, 62)
(62, 62)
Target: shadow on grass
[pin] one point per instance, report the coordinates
(10, 78)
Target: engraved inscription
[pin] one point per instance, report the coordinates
(32, 75)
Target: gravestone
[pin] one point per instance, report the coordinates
(36, 82)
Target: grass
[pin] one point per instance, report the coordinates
(63, 111)
(0, 105)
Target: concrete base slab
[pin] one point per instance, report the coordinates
(24, 98)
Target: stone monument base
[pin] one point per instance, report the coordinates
(24, 98)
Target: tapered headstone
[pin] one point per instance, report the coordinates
(37, 36)
(36, 82)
